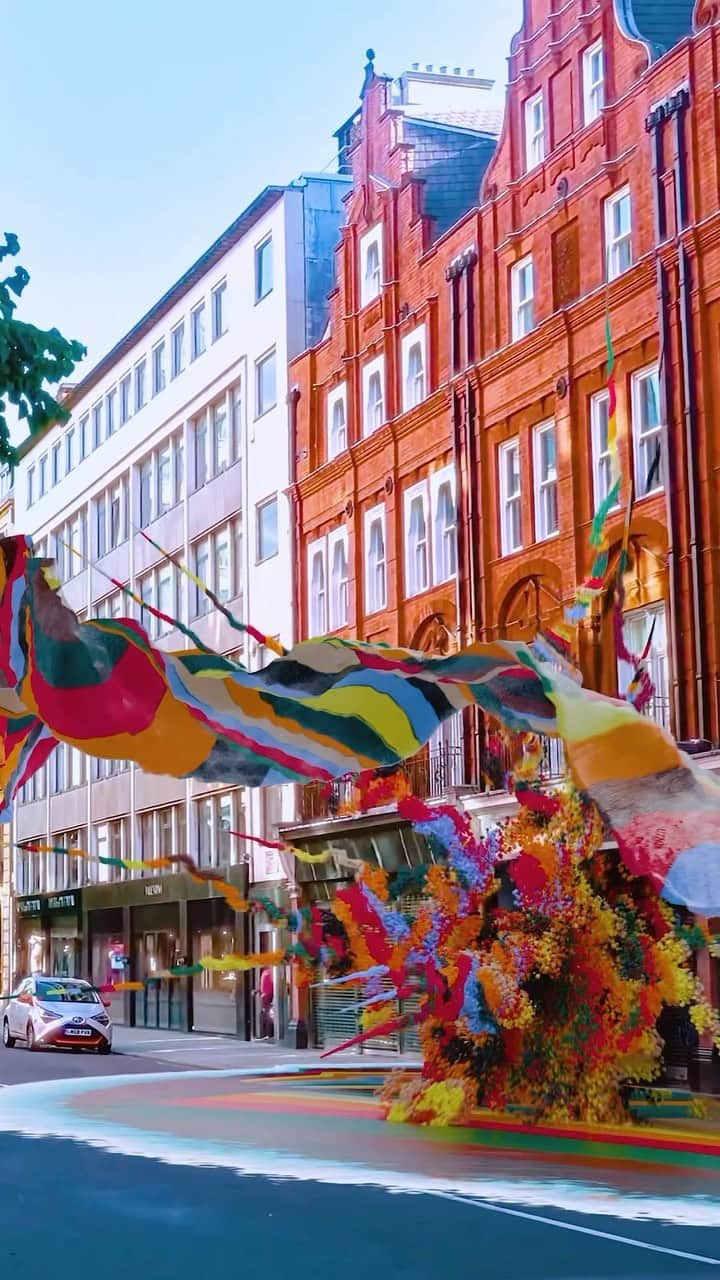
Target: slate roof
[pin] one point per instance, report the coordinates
(483, 120)
(660, 24)
(452, 164)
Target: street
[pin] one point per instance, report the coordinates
(276, 1178)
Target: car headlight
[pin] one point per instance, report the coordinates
(48, 1015)
(102, 1018)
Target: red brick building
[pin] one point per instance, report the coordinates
(464, 366)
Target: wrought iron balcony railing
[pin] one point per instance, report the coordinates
(433, 774)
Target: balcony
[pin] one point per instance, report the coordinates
(436, 774)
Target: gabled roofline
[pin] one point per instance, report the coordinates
(267, 198)
(625, 18)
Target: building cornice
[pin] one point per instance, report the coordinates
(269, 197)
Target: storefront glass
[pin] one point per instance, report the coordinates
(108, 966)
(65, 949)
(32, 947)
(214, 1007)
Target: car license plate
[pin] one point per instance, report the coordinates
(78, 1031)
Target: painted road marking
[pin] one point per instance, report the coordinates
(571, 1226)
(173, 1040)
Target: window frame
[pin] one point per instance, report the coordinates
(372, 238)
(592, 108)
(375, 367)
(97, 424)
(614, 268)
(260, 507)
(218, 292)
(445, 476)
(110, 402)
(411, 496)
(198, 335)
(262, 292)
(336, 396)
(518, 305)
(417, 337)
(140, 384)
(513, 444)
(535, 146)
(338, 537)
(159, 380)
(598, 455)
(658, 660)
(70, 435)
(317, 606)
(638, 378)
(540, 485)
(126, 396)
(260, 363)
(177, 349)
(370, 517)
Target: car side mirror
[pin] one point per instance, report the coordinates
(107, 1003)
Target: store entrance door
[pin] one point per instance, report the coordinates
(159, 1003)
(269, 991)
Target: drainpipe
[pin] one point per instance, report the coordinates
(296, 1034)
(653, 125)
(690, 417)
(293, 398)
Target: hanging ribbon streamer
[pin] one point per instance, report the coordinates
(269, 642)
(594, 585)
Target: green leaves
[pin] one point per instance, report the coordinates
(31, 359)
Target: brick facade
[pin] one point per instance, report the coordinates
(484, 388)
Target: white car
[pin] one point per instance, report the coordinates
(64, 1012)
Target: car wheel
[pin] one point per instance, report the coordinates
(30, 1037)
(8, 1040)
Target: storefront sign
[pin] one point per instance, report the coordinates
(153, 890)
(56, 902)
(29, 907)
(62, 902)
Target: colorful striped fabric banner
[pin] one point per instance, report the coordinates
(326, 709)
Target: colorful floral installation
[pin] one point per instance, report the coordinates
(538, 965)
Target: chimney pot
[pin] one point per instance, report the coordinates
(415, 66)
(428, 66)
(443, 71)
(457, 71)
(471, 71)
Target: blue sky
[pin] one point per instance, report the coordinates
(136, 130)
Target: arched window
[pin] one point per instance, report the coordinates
(339, 586)
(415, 376)
(417, 547)
(318, 596)
(445, 534)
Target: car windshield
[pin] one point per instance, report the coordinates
(67, 992)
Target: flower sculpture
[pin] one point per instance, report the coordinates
(538, 965)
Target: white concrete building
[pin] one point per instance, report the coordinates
(182, 430)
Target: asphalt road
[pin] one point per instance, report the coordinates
(19, 1066)
(69, 1208)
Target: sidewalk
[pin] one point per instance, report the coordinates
(221, 1053)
